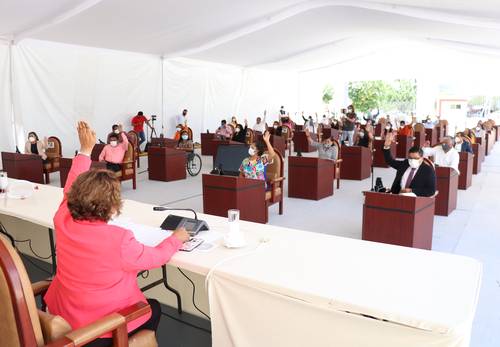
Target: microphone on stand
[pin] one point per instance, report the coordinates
(172, 222)
(161, 208)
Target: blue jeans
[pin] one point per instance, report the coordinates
(142, 137)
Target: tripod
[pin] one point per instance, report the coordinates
(153, 130)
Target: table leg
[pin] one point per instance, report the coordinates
(164, 281)
(52, 251)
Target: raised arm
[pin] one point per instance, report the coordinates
(270, 148)
(395, 164)
(81, 162)
(124, 143)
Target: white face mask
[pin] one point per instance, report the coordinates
(116, 131)
(184, 137)
(387, 128)
(478, 128)
(414, 163)
(113, 143)
(237, 130)
(178, 129)
(32, 139)
(361, 134)
(275, 126)
(458, 140)
(251, 151)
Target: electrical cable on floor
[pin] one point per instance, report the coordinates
(186, 323)
(194, 293)
(31, 249)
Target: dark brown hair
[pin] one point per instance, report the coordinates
(95, 196)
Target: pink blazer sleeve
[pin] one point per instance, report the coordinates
(136, 256)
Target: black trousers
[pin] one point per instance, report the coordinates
(113, 167)
(151, 324)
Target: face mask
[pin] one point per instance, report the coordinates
(251, 151)
(184, 137)
(387, 128)
(414, 163)
(458, 140)
(275, 127)
(361, 134)
(445, 147)
(237, 130)
(116, 131)
(478, 128)
(178, 129)
(32, 139)
(327, 145)
(113, 143)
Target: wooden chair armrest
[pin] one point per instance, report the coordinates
(275, 180)
(110, 323)
(40, 287)
(338, 161)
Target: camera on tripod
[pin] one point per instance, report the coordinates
(153, 117)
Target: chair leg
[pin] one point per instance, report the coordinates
(47, 178)
(134, 183)
(281, 206)
(338, 182)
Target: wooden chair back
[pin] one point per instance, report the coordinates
(128, 171)
(275, 172)
(250, 136)
(338, 162)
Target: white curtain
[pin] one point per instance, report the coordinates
(56, 85)
(7, 142)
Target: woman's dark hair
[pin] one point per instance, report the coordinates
(239, 126)
(32, 133)
(95, 196)
(261, 147)
(113, 136)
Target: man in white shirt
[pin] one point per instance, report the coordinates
(444, 154)
(182, 118)
(260, 124)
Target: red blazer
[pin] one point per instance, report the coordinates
(97, 264)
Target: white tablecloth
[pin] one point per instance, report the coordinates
(309, 289)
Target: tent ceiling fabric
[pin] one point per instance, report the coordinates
(287, 34)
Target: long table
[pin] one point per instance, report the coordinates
(294, 280)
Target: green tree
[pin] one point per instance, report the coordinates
(327, 94)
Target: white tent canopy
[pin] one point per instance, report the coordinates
(104, 59)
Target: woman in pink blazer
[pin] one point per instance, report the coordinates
(97, 262)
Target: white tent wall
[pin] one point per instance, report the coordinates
(7, 142)
(56, 85)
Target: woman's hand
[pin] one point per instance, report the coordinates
(87, 138)
(266, 137)
(389, 139)
(182, 235)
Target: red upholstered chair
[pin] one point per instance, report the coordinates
(54, 154)
(250, 136)
(25, 325)
(133, 138)
(338, 162)
(275, 180)
(287, 134)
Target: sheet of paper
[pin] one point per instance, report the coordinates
(145, 234)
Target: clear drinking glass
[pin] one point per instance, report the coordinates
(233, 217)
(4, 182)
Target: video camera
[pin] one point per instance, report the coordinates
(153, 117)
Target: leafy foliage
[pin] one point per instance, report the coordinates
(400, 95)
(327, 94)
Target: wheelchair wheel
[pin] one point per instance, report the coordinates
(194, 164)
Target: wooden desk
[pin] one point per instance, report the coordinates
(378, 130)
(431, 135)
(419, 139)
(27, 167)
(497, 132)
(478, 150)
(466, 167)
(166, 164)
(65, 166)
(299, 127)
(310, 178)
(300, 143)
(447, 186)
(378, 153)
(404, 143)
(398, 220)
(222, 193)
(356, 163)
(206, 144)
(163, 142)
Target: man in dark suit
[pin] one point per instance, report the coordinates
(461, 145)
(413, 175)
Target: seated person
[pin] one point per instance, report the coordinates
(413, 175)
(365, 136)
(224, 130)
(470, 134)
(277, 128)
(479, 130)
(115, 129)
(326, 148)
(185, 143)
(240, 133)
(35, 146)
(114, 152)
(98, 262)
(286, 120)
(325, 121)
(234, 122)
(254, 166)
(405, 130)
(308, 123)
(461, 144)
(178, 130)
(260, 124)
(444, 154)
